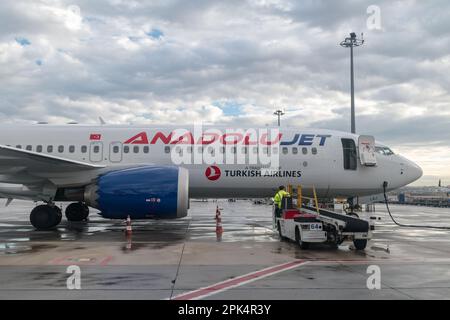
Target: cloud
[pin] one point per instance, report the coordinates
(233, 62)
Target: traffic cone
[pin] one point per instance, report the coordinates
(219, 228)
(128, 230)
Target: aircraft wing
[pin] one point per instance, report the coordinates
(14, 160)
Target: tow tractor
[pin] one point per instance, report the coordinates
(311, 224)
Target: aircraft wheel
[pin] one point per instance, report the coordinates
(360, 244)
(77, 211)
(45, 217)
(298, 239)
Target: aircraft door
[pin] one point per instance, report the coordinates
(366, 146)
(96, 151)
(115, 152)
(350, 154)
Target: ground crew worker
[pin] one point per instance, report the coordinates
(278, 200)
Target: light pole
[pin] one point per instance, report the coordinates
(351, 42)
(279, 113)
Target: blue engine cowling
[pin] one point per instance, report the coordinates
(158, 192)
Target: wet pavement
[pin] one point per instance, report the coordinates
(166, 259)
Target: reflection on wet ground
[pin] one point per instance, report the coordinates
(241, 225)
(162, 258)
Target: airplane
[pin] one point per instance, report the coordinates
(151, 172)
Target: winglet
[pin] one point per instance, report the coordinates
(8, 202)
(102, 121)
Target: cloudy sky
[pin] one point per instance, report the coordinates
(170, 61)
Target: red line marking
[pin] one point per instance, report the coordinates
(221, 286)
(365, 261)
(59, 260)
(105, 261)
(65, 261)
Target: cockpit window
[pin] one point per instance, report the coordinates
(384, 151)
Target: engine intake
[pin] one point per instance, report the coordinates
(142, 193)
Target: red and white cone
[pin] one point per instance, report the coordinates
(219, 228)
(128, 230)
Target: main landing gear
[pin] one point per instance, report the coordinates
(45, 216)
(77, 211)
(48, 216)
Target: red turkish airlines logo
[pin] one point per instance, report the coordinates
(212, 173)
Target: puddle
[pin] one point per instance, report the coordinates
(20, 239)
(14, 248)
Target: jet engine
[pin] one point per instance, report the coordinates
(141, 192)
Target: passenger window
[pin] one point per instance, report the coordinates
(39, 148)
(71, 149)
(285, 150)
(136, 149)
(294, 150)
(49, 149)
(349, 150)
(167, 149)
(116, 149)
(96, 149)
(146, 149)
(305, 150)
(60, 149)
(314, 150)
(29, 148)
(83, 149)
(126, 149)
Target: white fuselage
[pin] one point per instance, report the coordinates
(305, 157)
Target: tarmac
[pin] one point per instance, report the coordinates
(187, 259)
